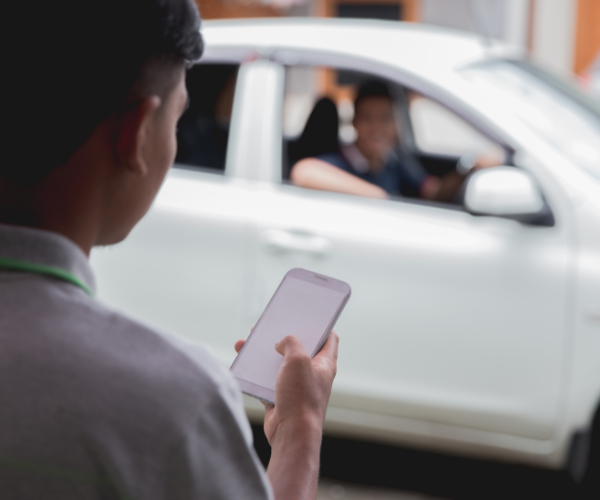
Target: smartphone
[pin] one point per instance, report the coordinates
(306, 305)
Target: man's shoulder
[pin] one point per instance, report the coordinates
(144, 355)
(110, 358)
(112, 390)
(191, 362)
(169, 374)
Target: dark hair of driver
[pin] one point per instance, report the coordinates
(373, 88)
(76, 62)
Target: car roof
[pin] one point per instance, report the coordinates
(415, 46)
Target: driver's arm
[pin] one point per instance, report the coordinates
(317, 174)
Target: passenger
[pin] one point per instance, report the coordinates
(203, 130)
(374, 166)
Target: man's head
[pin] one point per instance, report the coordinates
(374, 120)
(95, 86)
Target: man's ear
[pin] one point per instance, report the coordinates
(132, 132)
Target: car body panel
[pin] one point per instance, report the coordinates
(448, 310)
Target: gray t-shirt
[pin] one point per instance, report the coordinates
(94, 405)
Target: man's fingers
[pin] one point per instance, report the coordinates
(238, 345)
(292, 345)
(289, 346)
(330, 347)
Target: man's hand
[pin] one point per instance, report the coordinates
(294, 425)
(445, 188)
(303, 385)
(487, 161)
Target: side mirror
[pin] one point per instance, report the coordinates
(507, 192)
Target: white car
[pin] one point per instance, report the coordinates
(473, 328)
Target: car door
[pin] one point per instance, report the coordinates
(184, 266)
(454, 319)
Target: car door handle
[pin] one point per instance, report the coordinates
(277, 240)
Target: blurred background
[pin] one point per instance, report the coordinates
(561, 35)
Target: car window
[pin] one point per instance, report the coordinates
(554, 109)
(203, 130)
(378, 131)
(437, 130)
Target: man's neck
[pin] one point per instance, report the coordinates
(55, 204)
(14, 205)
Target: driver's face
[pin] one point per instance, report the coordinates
(375, 126)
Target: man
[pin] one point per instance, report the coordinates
(374, 166)
(93, 404)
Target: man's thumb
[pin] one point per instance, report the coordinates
(289, 345)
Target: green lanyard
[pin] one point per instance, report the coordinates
(55, 272)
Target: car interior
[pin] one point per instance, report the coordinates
(203, 130)
(321, 132)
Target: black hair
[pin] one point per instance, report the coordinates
(373, 88)
(73, 63)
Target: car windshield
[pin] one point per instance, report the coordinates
(556, 110)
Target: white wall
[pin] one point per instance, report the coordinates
(483, 17)
(554, 24)
(516, 22)
(554, 27)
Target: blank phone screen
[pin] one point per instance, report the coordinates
(298, 308)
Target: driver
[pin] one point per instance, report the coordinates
(374, 166)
